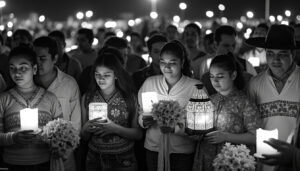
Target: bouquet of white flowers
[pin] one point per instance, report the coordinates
(62, 138)
(234, 158)
(168, 113)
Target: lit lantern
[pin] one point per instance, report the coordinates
(148, 99)
(98, 110)
(261, 147)
(29, 119)
(200, 113)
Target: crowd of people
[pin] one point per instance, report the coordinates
(39, 73)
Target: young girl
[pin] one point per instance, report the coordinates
(236, 118)
(23, 150)
(111, 143)
(174, 84)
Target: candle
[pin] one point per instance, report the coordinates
(148, 99)
(29, 119)
(261, 147)
(97, 110)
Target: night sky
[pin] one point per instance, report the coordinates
(60, 9)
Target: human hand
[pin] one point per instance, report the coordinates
(216, 137)
(106, 128)
(23, 137)
(148, 121)
(92, 126)
(166, 129)
(284, 155)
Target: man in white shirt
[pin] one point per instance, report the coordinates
(276, 90)
(62, 85)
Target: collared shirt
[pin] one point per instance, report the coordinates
(280, 82)
(67, 91)
(181, 92)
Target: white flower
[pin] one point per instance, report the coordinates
(168, 113)
(61, 136)
(234, 157)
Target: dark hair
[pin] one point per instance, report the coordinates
(263, 25)
(22, 32)
(173, 26)
(224, 30)
(229, 63)
(58, 34)
(136, 35)
(194, 26)
(109, 34)
(26, 52)
(88, 34)
(1, 39)
(123, 82)
(153, 33)
(114, 51)
(116, 42)
(297, 25)
(47, 42)
(209, 37)
(155, 39)
(177, 49)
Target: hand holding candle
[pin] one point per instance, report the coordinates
(284, 155)
(262, 147)
(24, 137)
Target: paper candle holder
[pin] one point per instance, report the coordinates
(200, 113)
(98, 110)
(148, 99)
(261, 147)
(29, 119)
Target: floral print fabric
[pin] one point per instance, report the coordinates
(235, 114)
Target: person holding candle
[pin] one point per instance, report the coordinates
(174, 84)
(111, 141)
(235, 118)
(276, 90)
(23, 150)
(288, 155)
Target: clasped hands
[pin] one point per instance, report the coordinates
(99, 126)
(26, 137)
(148, 121)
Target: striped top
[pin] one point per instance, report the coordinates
(11, 102)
